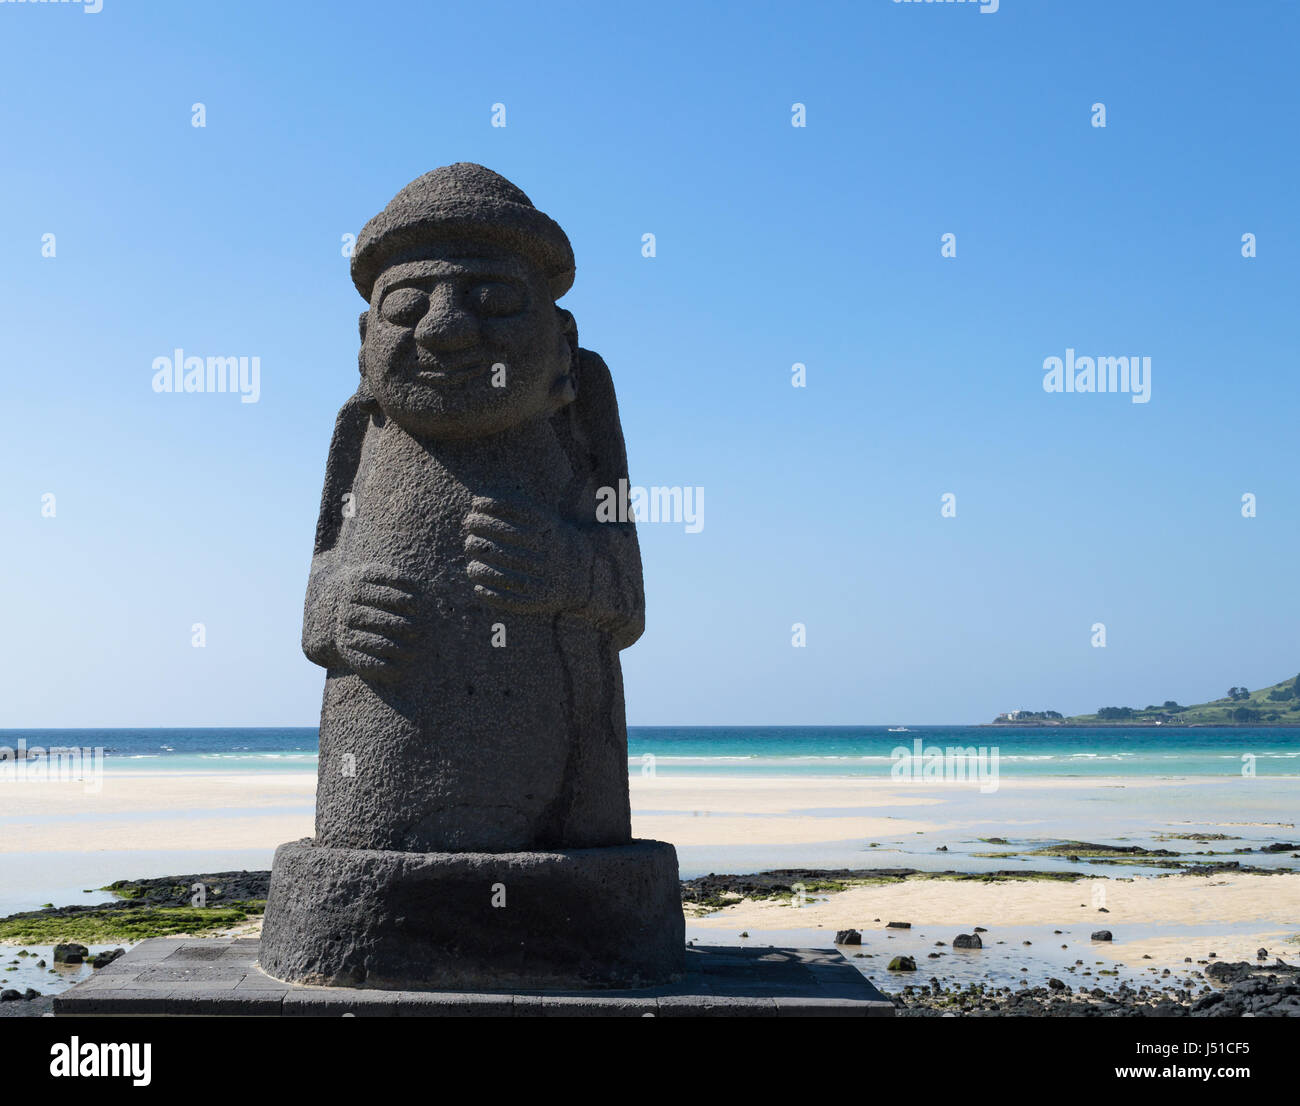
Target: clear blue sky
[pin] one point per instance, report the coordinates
(775, 245)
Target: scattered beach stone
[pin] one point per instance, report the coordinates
(848, 937)
(898, 925)
(1102, 910)
(902, 964)
(71, 953)
(104, 959)
(1056, 984)
(1261, 954)
(1102, 935)
(980, 929)
(967, 941)
(10, 995)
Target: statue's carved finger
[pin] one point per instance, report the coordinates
(490, 526)
(504, 579)
(385, 623)
(383, 597)
(371, 644)
(490, 551)
(512, 601)
(385, 576)
(525, 514)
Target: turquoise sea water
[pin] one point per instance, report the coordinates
(851, 751)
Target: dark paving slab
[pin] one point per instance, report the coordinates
(220, 976)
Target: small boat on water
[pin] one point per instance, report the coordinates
(899, 729)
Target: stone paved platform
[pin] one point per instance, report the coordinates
(220, 976)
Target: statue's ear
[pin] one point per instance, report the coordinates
(569, 328)
(362, 320)
(364, 395)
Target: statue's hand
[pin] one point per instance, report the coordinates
(526, 559)
(374, 627)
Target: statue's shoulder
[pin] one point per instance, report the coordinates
(591, 363)
(594, 379)
(597, 411)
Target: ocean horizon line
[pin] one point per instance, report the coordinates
(630, 725)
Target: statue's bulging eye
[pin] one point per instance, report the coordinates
(495, 298)
(405, 306)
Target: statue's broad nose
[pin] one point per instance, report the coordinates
(447, 325)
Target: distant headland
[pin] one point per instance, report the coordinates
(1278, 705)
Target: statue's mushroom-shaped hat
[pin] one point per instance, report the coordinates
(463, 201)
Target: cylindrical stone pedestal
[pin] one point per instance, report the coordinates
(588, 918)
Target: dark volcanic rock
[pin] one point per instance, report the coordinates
(1101, 935)
(848, 937)
(967, 941)
(902, 964)
(71, 953)
(1226, 972)
(104, 959)
(1252, 989)
(219, 889)
(898, 925)
(709, 890)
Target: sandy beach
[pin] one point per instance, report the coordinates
(947, 859)
(147, 823)
(137, 810)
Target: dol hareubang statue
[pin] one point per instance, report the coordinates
(468, 607)
(472, 821)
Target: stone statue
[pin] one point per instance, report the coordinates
(472, 819)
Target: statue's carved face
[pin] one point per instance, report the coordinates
(462, 343)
